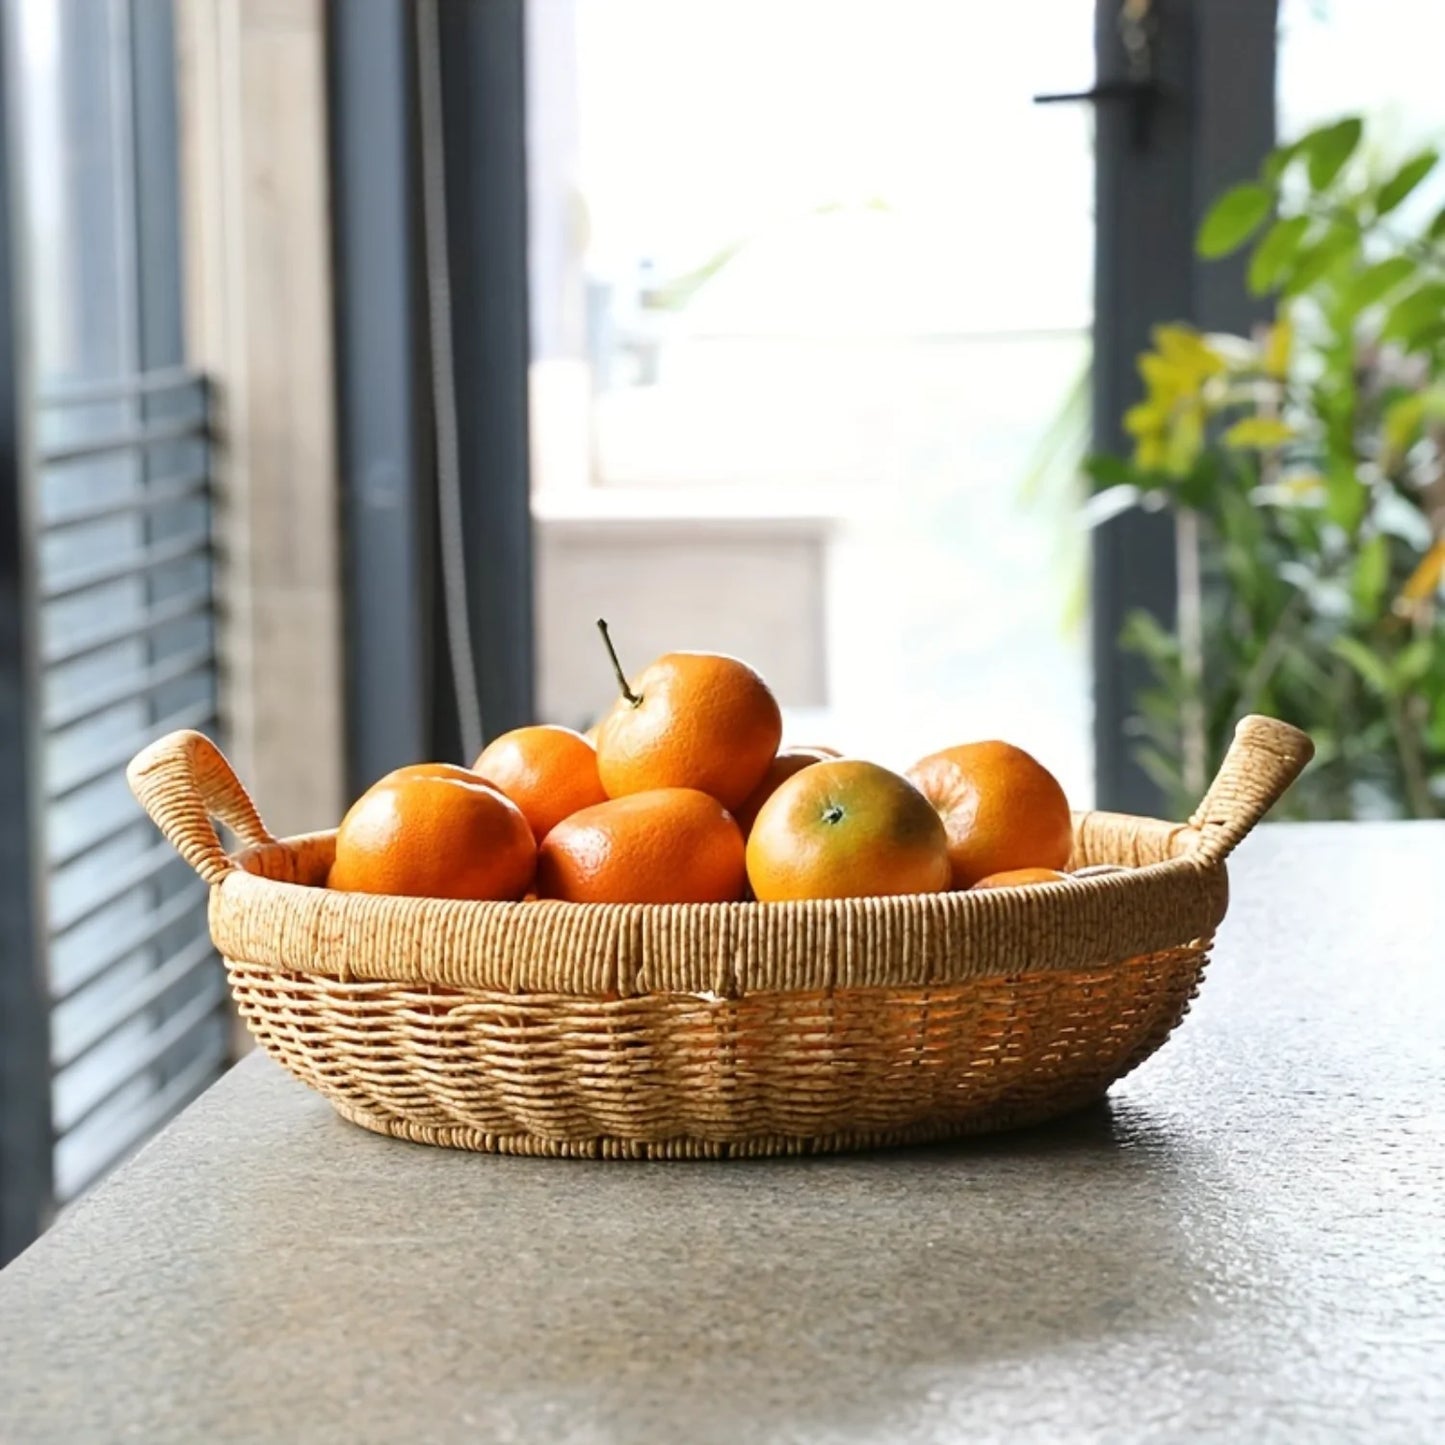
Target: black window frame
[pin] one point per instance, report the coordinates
(1208, 126)
(401, 702)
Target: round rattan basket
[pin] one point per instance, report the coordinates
(714, 1030)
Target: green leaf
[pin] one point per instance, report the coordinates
(1158, 710)
(1376, 282)
(1144, 635)
(1314, 261)
(1437, 730)
(1437, 227)
(1401, 421)
(1276, 252)
(1346, 497)
(1413, 664)
(1372, 669)
(1370, 577)
(1394, 190)
(1328, 148)
(1105, 470)
(1261, 432)
(1404, 417)
(1233, 219)
(1274, 164)
(1414, 313)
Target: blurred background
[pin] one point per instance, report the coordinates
(355, 358)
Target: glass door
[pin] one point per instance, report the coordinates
(811, 312)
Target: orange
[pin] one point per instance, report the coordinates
(548, 772)
(782, 767)
(434, 831)
(846, 829)
(666, 845)
(691, 720)
(1022, 878)
(1002, 809)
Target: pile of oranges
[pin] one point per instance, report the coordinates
(684, 796)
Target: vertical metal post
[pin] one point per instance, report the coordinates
(380, 432)
(484, 118)
(401, 695)
(1214, 120)
(25, 1164)
(1236, 47)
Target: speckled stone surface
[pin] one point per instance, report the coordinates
(1246, 1244)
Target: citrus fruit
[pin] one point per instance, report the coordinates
(846, 829)
(1001, 808)
(665, 845)
(691, 720)
(1022, 878)
(782, 767)
(548, 772)
(434, 831)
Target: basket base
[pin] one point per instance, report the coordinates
(929, 1131)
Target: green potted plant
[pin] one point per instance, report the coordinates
(1305, 466)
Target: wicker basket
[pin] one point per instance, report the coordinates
(712, 1030)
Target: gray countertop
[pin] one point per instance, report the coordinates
(1246, 1243)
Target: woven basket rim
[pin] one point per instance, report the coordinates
(727, 949)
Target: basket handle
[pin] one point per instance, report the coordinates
(1265, 757)
(184, 781)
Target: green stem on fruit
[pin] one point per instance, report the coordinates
(633, 698)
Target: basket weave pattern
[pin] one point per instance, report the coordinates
(484, 1070)
(714, 1030)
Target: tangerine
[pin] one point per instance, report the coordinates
(782, 767)
(664, 845)
(1002, 809)
(846, 829)
(548, 772)
(433, 830)
(1022, 878)
(690, 720)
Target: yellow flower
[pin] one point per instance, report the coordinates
(1187, 352)
(1143, 418)
(1185, 440)
(1149, 454)
(1277, 348)
(1163, 382)
(1425, 578)
(1260, 432)
(1168, 425)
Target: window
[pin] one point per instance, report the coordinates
(114, 524)
(811, 356)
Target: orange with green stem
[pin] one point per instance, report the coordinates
(689, 720)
